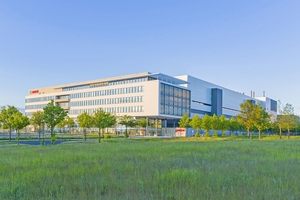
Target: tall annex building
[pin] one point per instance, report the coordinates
(159, 97)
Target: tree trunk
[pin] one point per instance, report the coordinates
(51, 134)
(18, 137)
(288, 133)
(248, 131)
(9, 133)
(84, 134)
(280, 132)
(259, 134)
(39, 133)
(99, 136)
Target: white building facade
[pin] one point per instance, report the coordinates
(160, 98)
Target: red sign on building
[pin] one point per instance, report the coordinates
(34, 91)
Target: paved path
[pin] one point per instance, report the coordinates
(37, 143)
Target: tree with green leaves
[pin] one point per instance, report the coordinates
(53, 115)
(184, 121)
(103, 120)
(142, 123)
(85, 121)
(6, 117)
(111, 120)
(247, 115)
(288, 118)
(70, 122)
(262, 120)
(37, 121)
(234, 125)
(206, 124)
(127, 121)
(195, 123)
(215, 124)
(224, 124)
(62, 126)
(19, 122)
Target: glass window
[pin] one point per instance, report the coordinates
(171, 112)
(162, 88)
(171, 90)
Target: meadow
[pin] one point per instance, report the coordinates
(180, 168)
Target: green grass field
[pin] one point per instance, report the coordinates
(153, 169)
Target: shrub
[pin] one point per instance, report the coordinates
(107, 136)
(42, 143)
(197, 135)
(240, 134)
(206, 134)
(223, 134)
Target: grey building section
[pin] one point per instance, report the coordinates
(216, 101)
(273, 105)
(208, 98)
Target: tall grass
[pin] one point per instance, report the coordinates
(131, 169)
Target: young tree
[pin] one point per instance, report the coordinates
(70, 122)
(37, 120)
(224, 124)
(247, 116)
(206, 124)
(262, 120)
(103, 120)
(184, 121)
(85, 121)
(53, 115)
(127, 121)
(19, 122)
(6, 117)
(142, 123)
(195, 123)
(62, 125)
(111, 120)
(215, 124)
(288, 117)
(234, 125)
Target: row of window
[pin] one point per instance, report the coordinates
(173, 110)
(174, 101)
(133, 80)
(35, 106)
(40, 99)
(174, 91)
(127, 109)
(90, 94)
(108, 92)
(94, 102)
(108, 101)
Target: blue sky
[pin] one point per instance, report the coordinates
(242, 45)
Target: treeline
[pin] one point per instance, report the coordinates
(53, 116)
(251, 118)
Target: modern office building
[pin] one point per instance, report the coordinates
(159, 97)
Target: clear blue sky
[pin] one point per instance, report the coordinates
(242, 45)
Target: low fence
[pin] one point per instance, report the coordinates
(164, 132)
(167, 132)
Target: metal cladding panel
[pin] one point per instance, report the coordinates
(216, 100)
(273, 105)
